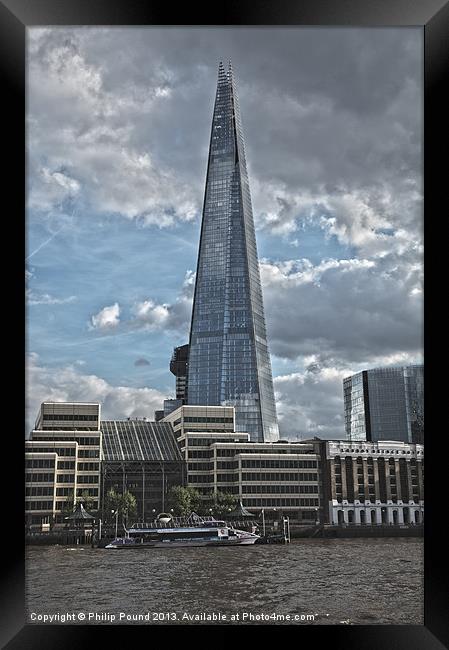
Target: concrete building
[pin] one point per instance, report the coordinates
(373, 482)
(281, 476)
(203, 419)
(62, 462)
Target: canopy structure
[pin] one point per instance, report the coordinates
(80, 514)
(240, 512)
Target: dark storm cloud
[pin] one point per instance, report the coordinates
(324, 110)
(141, 362)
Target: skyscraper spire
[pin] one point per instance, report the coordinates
(229, 362)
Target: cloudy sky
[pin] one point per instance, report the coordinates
(118, 123)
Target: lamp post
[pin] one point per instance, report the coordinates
(317, 520)
(263, 521)
(116, 521)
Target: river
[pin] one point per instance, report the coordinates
(312, 581)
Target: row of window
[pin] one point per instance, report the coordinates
(277, 503)
(204, 442)
(87, 478)
(62, 428)
(39, 505)
(39, 491)
(84, 441)
(39, 462)
(279, 464)
(208, 419)
(74, 417)
(43, 477)
(279, 476)
(61, 451)
(280, 489)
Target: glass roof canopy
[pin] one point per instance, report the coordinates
(137, 440)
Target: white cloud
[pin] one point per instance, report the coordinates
(310, 403)
(108, 317)
(152, 315)
(68, 384)
(47, 299)
(82, 135)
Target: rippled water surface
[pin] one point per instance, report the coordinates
(347, 581)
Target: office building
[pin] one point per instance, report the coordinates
(62, 463)
(203, 419)
(229, 362)
(373, 483)
(385, 404)
(178, 367)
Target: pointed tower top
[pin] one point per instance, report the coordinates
(222, 76)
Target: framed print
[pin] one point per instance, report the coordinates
(225, 214)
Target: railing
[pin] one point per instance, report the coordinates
(174, 522)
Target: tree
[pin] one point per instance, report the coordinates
(69, 504)
(125, 504)
(183, 500)
(224, 503)
(220, 503)
(87, 501)
(111, 502)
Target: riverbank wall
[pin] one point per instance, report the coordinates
(64, 538)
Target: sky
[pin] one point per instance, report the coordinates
(118, 127)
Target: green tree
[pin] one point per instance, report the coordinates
(125, 504)
(69, 504)
(218, 504)
(183, 500)
(111, 502)
(224, 502)
(87, 501)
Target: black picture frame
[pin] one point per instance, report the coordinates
(433, 17)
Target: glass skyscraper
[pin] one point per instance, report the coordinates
(229, 363)
(385, 404)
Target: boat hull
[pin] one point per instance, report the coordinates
(184, 544)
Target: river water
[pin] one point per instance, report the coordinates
(335, 581)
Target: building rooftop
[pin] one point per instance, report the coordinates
(130, 440)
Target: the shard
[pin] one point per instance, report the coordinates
(229, 362)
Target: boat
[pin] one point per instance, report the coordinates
(167, 532)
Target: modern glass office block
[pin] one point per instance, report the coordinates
(385, 404)
(229, 362)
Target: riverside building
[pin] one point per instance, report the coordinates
(228, 358)
(62, 462)
(276, 477)
(373, 483)
(385, 404)
(71, 453)
(142, 457)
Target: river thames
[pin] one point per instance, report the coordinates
(310, 581)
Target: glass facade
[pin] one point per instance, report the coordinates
(385, 404)
(178, 367)
(229, 363)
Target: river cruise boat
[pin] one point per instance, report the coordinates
(167, 531)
